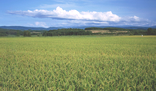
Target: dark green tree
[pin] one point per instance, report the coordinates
(17, 33)
(149, 31)
(27, 34)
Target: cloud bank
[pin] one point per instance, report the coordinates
(59, 13)
(97, 18)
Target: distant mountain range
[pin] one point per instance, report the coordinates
(80, 27)
(29, 28)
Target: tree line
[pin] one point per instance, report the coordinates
(26, 33)
(70, 31)
(65, 32)
(6, 32)
(149, 31)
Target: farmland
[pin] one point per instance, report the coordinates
(106, 31)
(78, 63)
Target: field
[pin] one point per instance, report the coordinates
(106, 31)
(78, 63)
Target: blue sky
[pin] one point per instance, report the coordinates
(69, 13)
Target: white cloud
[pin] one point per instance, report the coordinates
(131, 19)
(80, 18)
(41, 24)
(59, 13)
(136, 18)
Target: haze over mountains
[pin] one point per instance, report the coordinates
(28, 28)
(80, 27)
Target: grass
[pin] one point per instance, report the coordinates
(78, 63)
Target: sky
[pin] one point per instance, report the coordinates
(76, 13)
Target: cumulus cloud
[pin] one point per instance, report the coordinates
(81, 18)
(59, 13)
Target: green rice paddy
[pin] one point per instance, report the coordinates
(78, 63)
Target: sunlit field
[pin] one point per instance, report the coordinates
(78, 63)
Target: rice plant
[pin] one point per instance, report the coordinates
(78, 63)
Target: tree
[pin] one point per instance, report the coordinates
(149, 31)
(136, 33)
(17, 33)
(27, 34)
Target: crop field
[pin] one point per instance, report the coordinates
(78, 63)
(106, 31)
